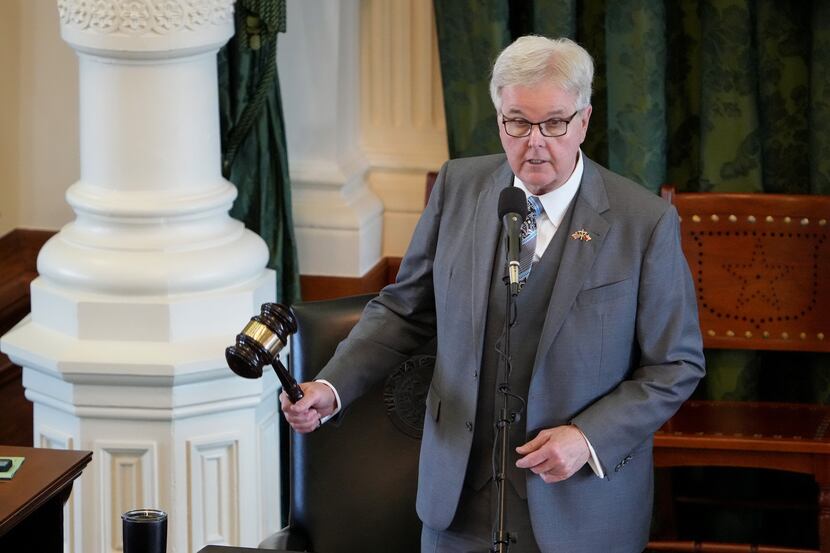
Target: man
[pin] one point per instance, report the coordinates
(605, 348)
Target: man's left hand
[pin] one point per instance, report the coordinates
(555, 454)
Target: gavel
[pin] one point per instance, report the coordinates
(259, 344)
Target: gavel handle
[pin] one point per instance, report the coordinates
(292, 389)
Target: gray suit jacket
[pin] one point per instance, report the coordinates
(619, 352)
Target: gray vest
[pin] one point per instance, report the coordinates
(532, 306)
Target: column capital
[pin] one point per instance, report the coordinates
(146, 29)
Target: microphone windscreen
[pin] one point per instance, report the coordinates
(512, 200)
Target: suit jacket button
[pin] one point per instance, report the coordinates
(475, 374)
(469, 425)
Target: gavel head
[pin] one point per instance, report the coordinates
(261, 340)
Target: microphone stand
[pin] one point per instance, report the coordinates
(501, 537)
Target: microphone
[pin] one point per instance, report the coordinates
(512, 212)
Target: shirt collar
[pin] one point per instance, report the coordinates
(556, 201)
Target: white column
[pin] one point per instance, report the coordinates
(337, 217)
(137, 298)
(402, 110)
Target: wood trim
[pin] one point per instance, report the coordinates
(18, 259)
(18, 423)
(18, 265)
(393, 265)
(321, 287)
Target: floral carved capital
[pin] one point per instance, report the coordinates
(139, 17)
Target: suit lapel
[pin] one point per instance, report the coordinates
(485, 238)
(578, 255)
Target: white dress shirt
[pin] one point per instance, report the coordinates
(556, 203)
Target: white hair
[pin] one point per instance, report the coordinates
(534, 59)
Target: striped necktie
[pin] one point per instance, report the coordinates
(527, 235)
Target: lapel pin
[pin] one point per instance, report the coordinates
(581, 234)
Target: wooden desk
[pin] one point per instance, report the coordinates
(31, 503)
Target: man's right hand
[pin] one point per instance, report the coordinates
(305, 415)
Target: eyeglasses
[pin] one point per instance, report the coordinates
(520, 128)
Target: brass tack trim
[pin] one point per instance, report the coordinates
(715, 218)
(730, 333)
(733, 219)
(748, 334)
(766, 334)
(696, 218)
(785, 336)
(710, 332)
(820, 335)
(751, 218)
(769, 219)
(805, 221)
(787, 220)
(803, 335)
(822, 222)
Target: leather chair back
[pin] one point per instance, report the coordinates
(353, 481)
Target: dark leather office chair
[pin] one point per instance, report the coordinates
(353, 481)
(761, 264)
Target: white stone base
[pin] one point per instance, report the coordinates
(169, 424)
(338, 233)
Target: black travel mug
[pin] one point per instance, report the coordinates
(144, 531)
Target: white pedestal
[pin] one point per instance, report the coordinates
(337, 218)
(137, 298)
(402, 110)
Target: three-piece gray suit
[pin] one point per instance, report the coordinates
(615, 346)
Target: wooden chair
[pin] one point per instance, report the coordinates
(431, 176)
(761, 265)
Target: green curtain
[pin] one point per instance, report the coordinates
(726, 95)
(254, 153)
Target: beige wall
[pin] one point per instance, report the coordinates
(9, 98)
(39, 155)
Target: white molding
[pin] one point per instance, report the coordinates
(269, 490)
(325, 174)
(145, 29)
(128, 479)
(135, 17)
(166, 401)
(335, 209)
(52, 438)
(141, 414)
(49, 437)
(213, 490)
